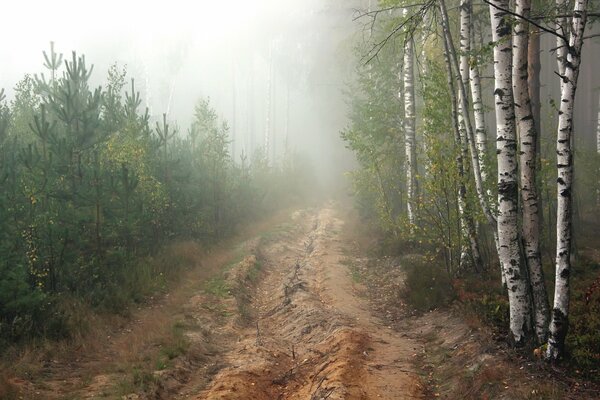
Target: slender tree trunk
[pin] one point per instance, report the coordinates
(529, 191)
(533, 82)
(598, 151)
(409, 129)
(465, 48)
(267, 136)
(506, 146)
(533, 79)
(467, 226)
(479, 113)
(483, 201)
(560, 313)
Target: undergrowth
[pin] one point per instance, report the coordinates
(427, 285)
(483, 296)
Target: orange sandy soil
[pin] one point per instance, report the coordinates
(294, 322)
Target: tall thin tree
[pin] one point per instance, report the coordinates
(506, 149)
(530, 226)
(409, 128)
(569, 73)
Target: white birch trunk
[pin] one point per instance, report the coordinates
(479, 114)
(528, 161)
(562, 29)
(598, 127)
(454, 71)
(466, 215)
(506, 148)
(483, 201)
(409, 129)
(268, 116)
(560, 312)
(598, 150)
(466, 220)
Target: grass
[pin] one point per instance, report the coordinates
(174, 346)
(243, 287)
(144, 336)
(254, 272)
(277, 232)
(353, 269)
(427, 285)
(217, 286)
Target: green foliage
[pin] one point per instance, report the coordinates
(374, 135)
(217, 287)
(90, 193)
(427, 285)
(584, 321)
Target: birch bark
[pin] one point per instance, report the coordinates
(466, 220)
(528, 140)
(598, 150)
(466, 216)
(479, 114)
(409, 129)
(506, 146)
(483, 201)
(454, 72)
(570, 65)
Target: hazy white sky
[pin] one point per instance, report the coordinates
(123, 28)
(182, 50)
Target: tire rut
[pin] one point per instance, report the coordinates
(313, 338)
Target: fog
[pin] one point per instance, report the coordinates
(235, 52)
(275, 70)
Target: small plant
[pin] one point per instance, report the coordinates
(217, 287)
(427, 286)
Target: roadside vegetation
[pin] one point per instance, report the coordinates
(103, 206)
(489, 213)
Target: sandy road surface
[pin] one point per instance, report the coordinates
(314, 337)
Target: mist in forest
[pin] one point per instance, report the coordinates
(273, 70)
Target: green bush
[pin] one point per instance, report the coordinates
(22, 307)
(427, 285)
(583, 339)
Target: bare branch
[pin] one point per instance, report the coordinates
(540, 17)
(543, 28)
(411, 22)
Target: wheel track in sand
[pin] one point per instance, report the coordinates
(314, 338)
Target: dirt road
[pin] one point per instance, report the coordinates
(281, 314)
(313, 336)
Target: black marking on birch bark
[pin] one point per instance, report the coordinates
(565, 273)
(507, 186)
(566, 192)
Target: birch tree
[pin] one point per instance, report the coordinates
(478, 110)
(475, 166)
(506, 146)
(598, 150)
(454, 71)
(569, 73)
(465, 48)
(409, 128)
(528, 162)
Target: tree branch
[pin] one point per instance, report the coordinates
(539, 17)
(563, 37)
(377, 47)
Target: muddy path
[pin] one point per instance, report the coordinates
(313, 336)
